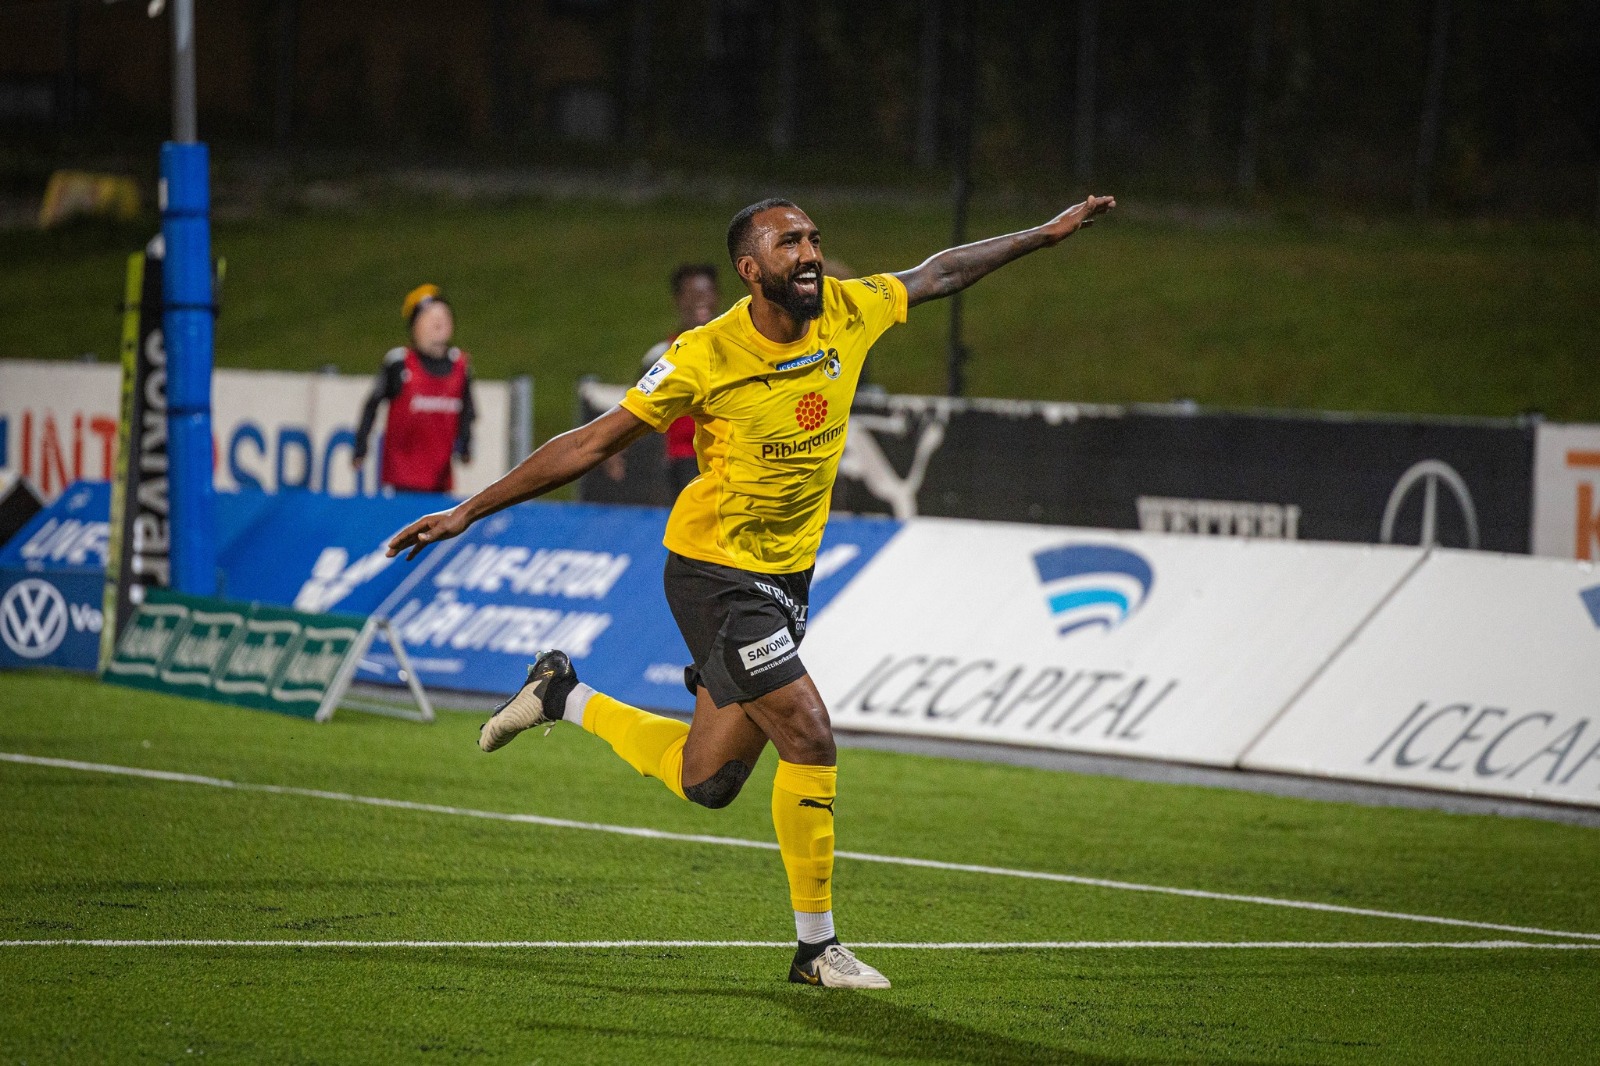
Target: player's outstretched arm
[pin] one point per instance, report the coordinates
(955, 268)
(553, 464)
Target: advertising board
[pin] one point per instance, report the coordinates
(1164, 469)
(1566, 496)
(278, 430)
(51, 581)
(315, 552)
(1479, 675)
(1177, 469)
(1135, 644)
(274, 429)
(474, 611)
(18, 504)
(140, 557)
(58, 422)
(226, 651)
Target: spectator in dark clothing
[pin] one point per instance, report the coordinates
(694, 293)
(428, 386)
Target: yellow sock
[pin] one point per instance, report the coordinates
(802, 814)
(649, 743)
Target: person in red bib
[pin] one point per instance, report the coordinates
(695, 295)
(428, 386)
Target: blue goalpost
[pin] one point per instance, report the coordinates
(187, 318)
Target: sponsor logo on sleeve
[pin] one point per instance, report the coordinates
(655, 376)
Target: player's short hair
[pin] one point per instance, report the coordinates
(692, 270)
(739, 228)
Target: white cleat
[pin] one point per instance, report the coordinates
(551, 671)
(837, 967)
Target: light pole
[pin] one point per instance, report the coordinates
(961, 191)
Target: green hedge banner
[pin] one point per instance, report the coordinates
(267, 658)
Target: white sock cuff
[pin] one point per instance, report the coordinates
(576, 700)
(813, 928)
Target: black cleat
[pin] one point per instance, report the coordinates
(542, 700)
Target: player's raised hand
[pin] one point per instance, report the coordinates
(429, 529)
(1078, 216)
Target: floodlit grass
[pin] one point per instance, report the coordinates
(91, 855)
(1466, 320)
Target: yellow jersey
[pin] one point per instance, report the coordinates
(769, 424)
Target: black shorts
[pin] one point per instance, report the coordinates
(743, 629)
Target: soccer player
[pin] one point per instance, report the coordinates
(769, 385)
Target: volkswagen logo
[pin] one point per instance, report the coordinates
(1427, 476)
(33, 618)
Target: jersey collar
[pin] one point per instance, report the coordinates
(769, 349)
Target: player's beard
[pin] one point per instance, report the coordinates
(782, 292)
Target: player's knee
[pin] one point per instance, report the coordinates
(720, 789)
(817, 750)
(810, 740)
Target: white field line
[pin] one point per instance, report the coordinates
(977, 945)
(736, 842)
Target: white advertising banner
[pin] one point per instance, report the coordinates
(1566, 491)
(1147, 645)
(58, 424)
(277, 429)
(1482, 674)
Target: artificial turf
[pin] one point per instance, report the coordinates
(92, 855)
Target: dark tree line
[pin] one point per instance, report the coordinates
(1415, 101)
(1464, 104)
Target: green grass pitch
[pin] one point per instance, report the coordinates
(90, 855)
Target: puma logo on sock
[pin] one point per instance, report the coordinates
(818, 805)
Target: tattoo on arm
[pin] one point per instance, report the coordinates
(955, 268)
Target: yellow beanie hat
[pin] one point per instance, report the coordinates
(416, 298)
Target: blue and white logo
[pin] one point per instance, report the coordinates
(1092, 584)
(802, 360)
(33, 618)
(655, 376)
(1591, 600)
